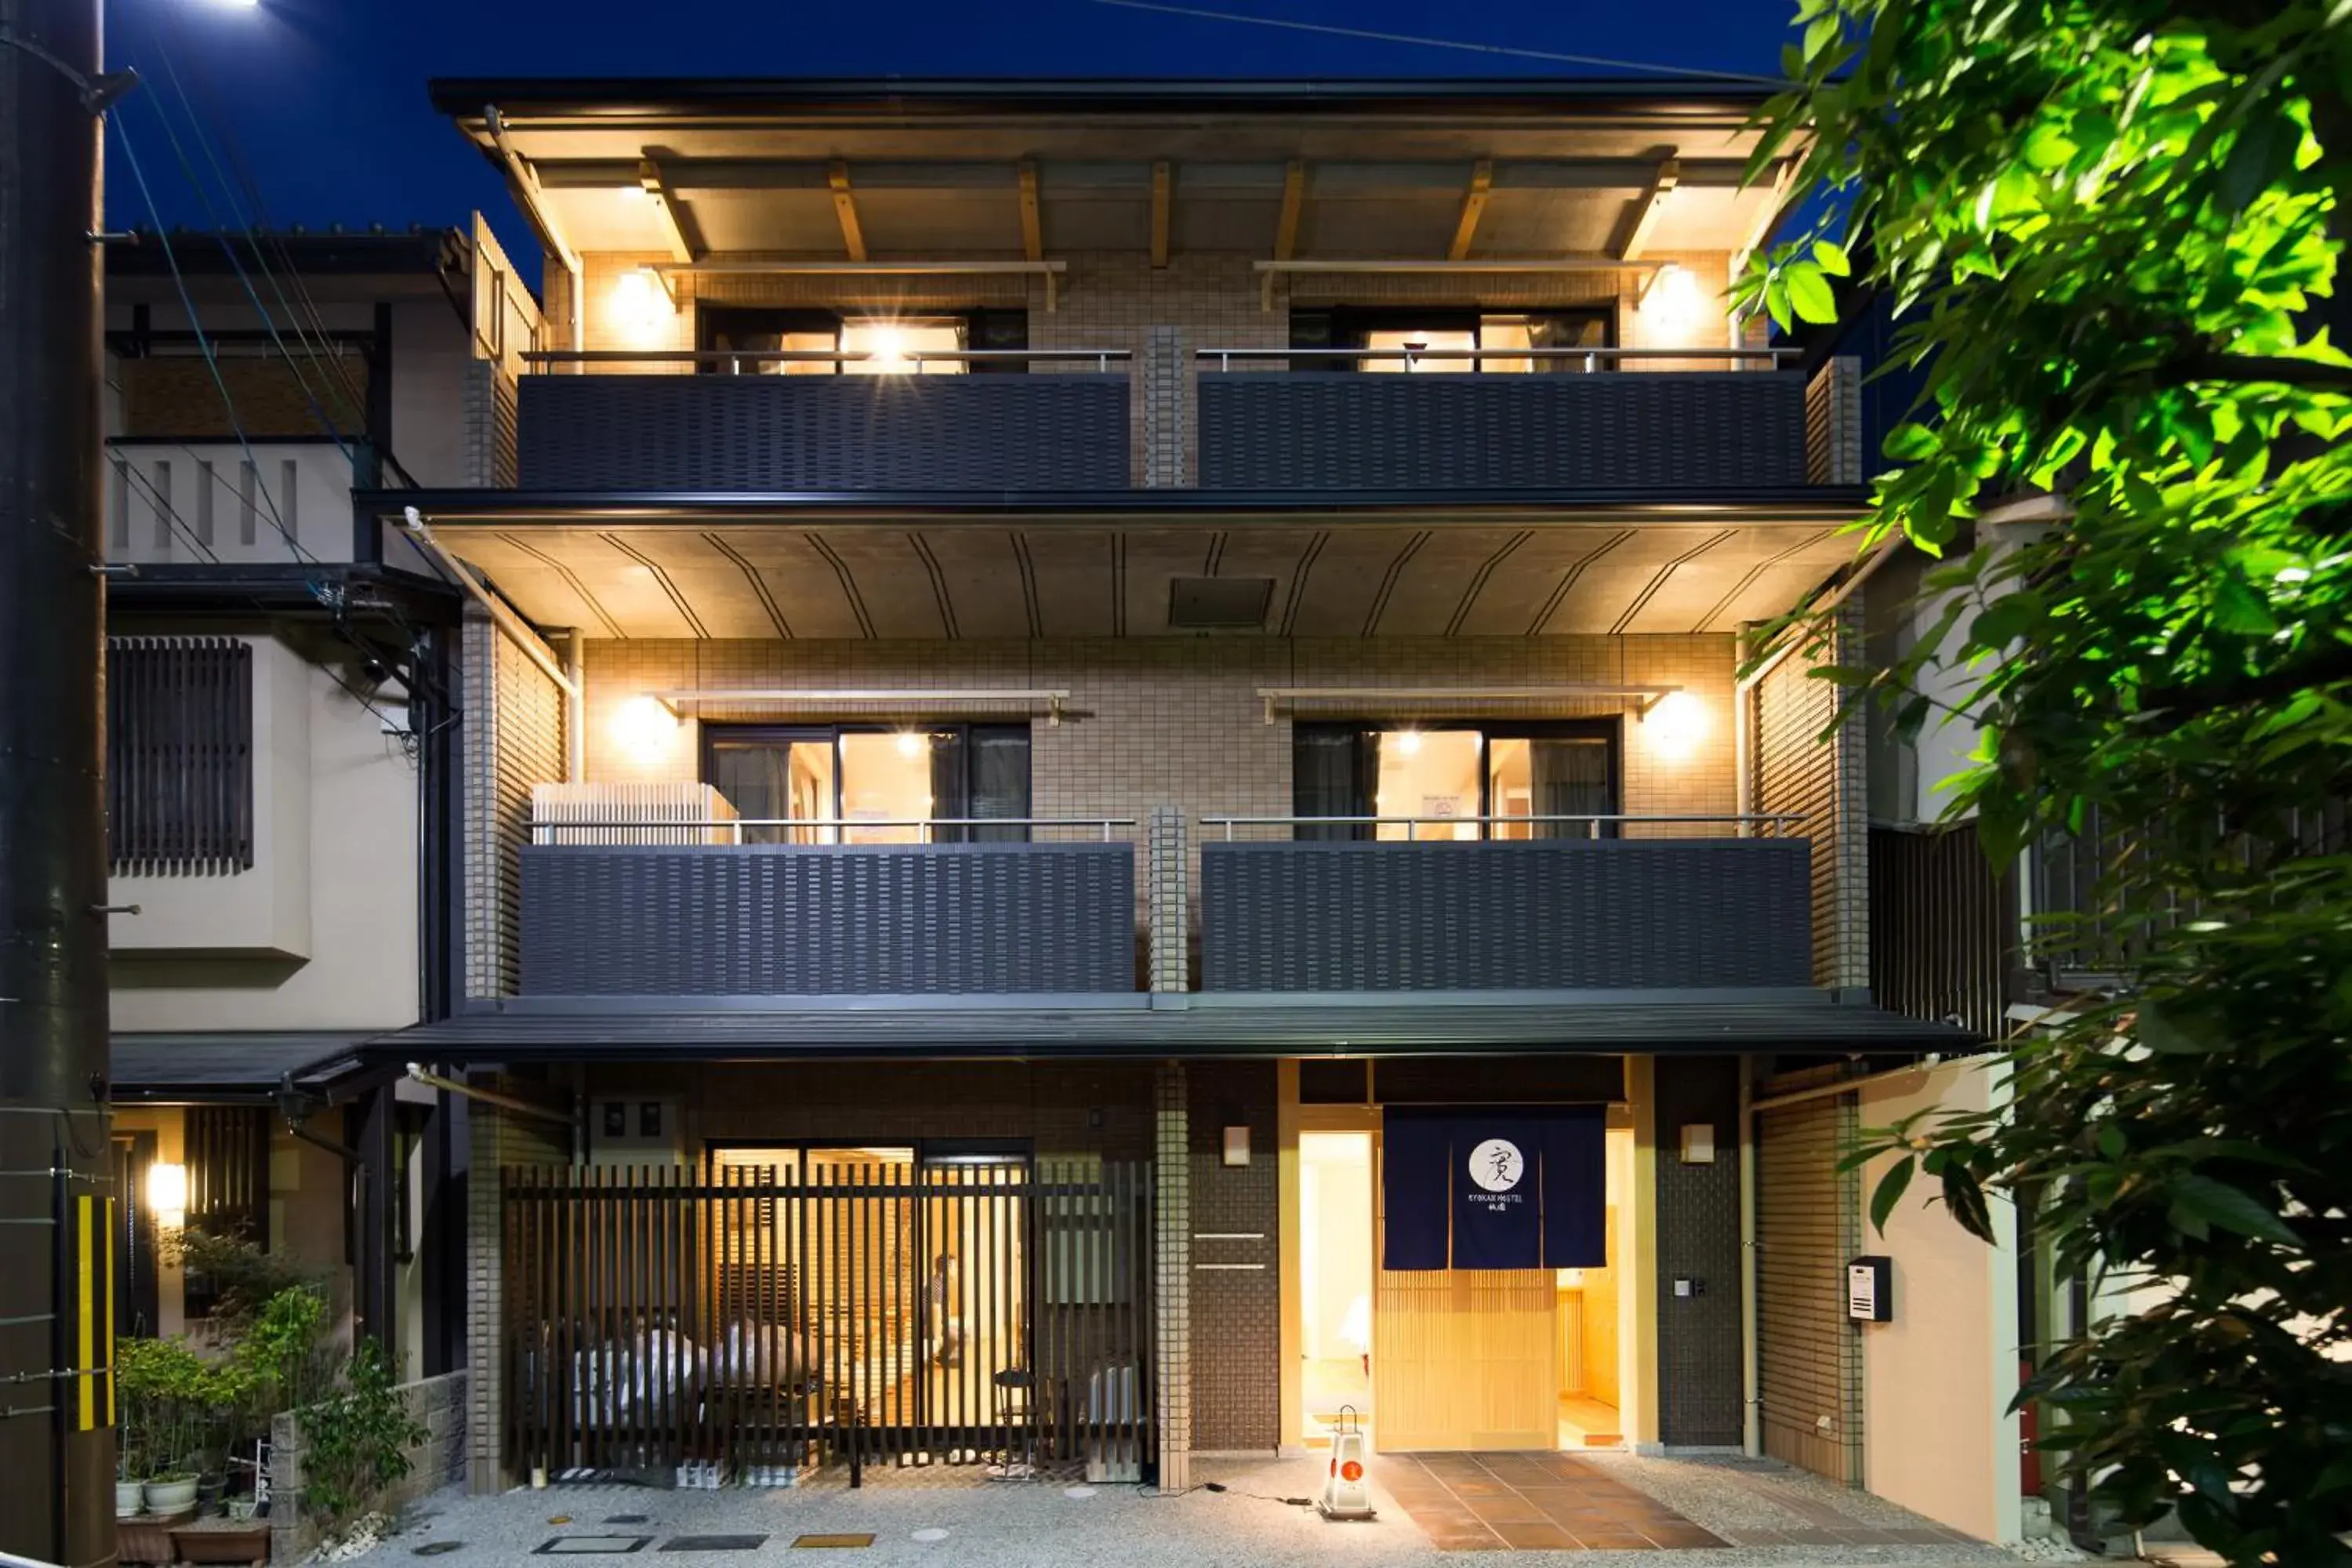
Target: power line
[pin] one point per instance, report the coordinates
(1555, 57)
(228, 248)
(204, 340)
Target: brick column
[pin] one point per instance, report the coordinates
(1173, 1318)
(485, 1461)
(1166, 387)
(1168, 897)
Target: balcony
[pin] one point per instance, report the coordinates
(1665, 430)
(1577, 913)
(1064, 428)
(206, 502)
(1679, 902)
(805, 919)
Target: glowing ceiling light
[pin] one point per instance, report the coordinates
(911, 744)
(890, 351)
(1408, 742)
(644, 729)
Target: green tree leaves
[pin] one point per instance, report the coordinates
(2114, 231)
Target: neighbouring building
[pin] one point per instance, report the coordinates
(1103, 804)
(279, 755)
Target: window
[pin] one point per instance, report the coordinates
(871, 784)
(898, 343)
(179, 756)
(1444, 333)
(1444, 771)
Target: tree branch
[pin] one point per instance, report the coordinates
(2255, 369)
(2331, 666)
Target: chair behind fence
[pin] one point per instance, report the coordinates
(785, 1310)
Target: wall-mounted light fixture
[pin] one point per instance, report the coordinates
(1674, 725)
(645, 303)
(1671, 304)
(1698, 1143)
(646, 729)
(167, 1193)
(1237, 1146)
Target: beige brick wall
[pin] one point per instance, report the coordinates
(513, 738)
(1792, 770)
(1176, 720)
(498, 1141)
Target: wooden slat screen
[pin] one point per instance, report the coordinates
(1807, 1225)
(179, 756)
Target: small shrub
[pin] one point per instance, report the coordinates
(356, 1442)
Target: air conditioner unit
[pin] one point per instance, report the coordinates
(629, 814)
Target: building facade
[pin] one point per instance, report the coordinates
(276, 746)
(1104, 804)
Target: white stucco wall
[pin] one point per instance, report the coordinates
(358, 969)
(1938, 1434)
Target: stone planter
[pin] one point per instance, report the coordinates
(223, 1543)
(147, 1540)
(173, 1496)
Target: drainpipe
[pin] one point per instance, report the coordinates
(575, 708)
(1752, 1366)
(517, 629)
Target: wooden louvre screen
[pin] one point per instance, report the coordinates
(179, 756)
(789, 1310)
(1807, 1225)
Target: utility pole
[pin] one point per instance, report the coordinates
(57, 1442)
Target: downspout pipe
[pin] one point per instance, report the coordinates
(517, 629)
(1752, 1365)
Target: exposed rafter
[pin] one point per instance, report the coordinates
(671, 214)
(844, 207)
(1474, 205)
(1783, 176)
(1033, 227)
(1163, 180)
(1645, 213)
(1294, 203)
(522, 183)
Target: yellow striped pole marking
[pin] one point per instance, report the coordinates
(86, 1318)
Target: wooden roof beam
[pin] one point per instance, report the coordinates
(671, 213)
(1163, 183)
(1032, 227)
(1644, 215)
(844, 207)
(1474, 207)
(1294, 203)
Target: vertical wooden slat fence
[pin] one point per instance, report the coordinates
(787, 1310)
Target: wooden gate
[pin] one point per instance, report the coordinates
(769, 1318)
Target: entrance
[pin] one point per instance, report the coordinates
(1590, 1314)
(1335, 1277)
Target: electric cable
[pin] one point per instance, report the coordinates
(204, 342)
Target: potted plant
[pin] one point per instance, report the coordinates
(164, 1389)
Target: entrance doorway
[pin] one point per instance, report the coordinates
(1335, 1277)
(1589, 1312)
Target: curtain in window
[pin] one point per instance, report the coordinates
(1579, 331)
(754, 776)
(1331, 775)
(1570, 778)
(1000, 780)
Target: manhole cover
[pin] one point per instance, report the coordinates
(592, 1545)
(438, 1548)
(714, 1543)
(841, 1541)
(927, 1536)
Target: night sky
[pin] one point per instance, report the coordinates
(318, 107)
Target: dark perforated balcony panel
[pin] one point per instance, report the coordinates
(782, 920)
(833, 433)
(1570, 914)
(1631, 431)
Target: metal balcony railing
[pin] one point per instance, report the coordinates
(1590, 359)
(733, 360)
(829, 830)
(1591, 825)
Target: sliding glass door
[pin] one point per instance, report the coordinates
(865, 785)
(1437, 781)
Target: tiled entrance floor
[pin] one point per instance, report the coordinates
(1530, 1502)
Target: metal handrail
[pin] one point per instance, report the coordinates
(739, 823)
(1591, 356)
(1410, 824)
(737, 358)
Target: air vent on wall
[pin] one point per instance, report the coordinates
(1202, 604)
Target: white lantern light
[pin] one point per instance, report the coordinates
(1346, 1493)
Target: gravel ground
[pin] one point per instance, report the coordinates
(1016, 1525)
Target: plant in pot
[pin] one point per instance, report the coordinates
(162, 1386)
